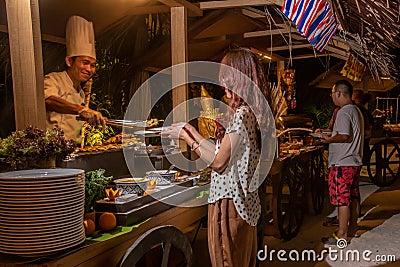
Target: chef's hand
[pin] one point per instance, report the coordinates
(91, 116)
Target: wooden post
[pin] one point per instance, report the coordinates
(179, 73)
(37, 46)
(24, 52)
(179, 55)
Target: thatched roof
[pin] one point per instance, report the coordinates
(372, 30)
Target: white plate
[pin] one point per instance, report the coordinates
(19, 218)
(40, 174)
(44, 203)
(47, 231)
(10, 191)
(33, 250)
(43, 238)
(160, 129)
(316, 135)
(42, 181)
(42, 227)
(34, 193)
(37, 208)
(145, 132)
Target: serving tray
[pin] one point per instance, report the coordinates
(121, 205)
(154, 207)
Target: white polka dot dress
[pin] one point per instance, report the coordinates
(236, 180)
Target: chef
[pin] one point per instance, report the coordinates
(65, 91)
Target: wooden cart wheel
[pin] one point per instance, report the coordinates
(317, 180)
(384, 163)
(167, 236)
(290, 199)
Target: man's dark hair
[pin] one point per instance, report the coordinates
(344, 86)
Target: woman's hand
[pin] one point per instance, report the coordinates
(177, 130)
(184, 125)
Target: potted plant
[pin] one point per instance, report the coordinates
(31, 147)
(95, 184)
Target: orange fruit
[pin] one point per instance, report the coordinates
(107, 221)
(89, 227)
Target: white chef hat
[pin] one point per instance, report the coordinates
(80, 37)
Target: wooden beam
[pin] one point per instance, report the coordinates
(191, 8)
(143, 10)
(274, 57)
(28, 105)
(336, 50)
(337, 42)
(45, 37)
(286, 47)
(250, 13)
(265, 33)
(205, 22)
(297, 36)
(238, 3)
(314, 56)
(208, 39)
(339, 56)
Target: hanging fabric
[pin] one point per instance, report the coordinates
(314, 20)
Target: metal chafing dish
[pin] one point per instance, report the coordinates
(136, 209)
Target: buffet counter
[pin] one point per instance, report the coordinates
(108, 249)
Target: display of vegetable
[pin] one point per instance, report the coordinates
(95, 184)
(23, 148)
(96, 135)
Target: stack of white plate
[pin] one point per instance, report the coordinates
(41, 211)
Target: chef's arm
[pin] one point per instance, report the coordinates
(59, 105)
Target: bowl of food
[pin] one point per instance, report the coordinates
(163, 177)
(131, 185)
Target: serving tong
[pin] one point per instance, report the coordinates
(127, 123)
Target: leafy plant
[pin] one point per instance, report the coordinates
(23, 148)
(321, 114)
(95, 185)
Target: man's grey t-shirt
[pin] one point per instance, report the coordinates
(349, 121)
